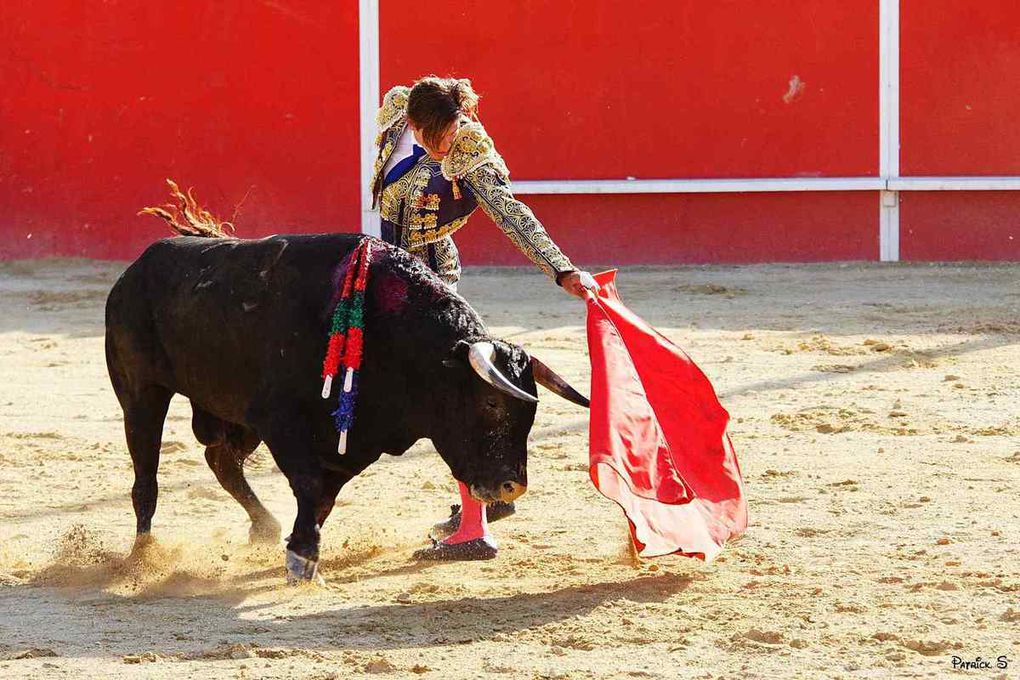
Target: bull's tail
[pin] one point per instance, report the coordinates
(188, 218)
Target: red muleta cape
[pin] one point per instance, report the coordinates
(657, 436)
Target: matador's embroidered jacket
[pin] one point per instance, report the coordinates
(424, 206)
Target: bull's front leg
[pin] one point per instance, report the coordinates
(333, 481)
(303, 543)
(295, 454)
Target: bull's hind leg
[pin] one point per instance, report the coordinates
(227, 464)
(227, 447)
(144, 413)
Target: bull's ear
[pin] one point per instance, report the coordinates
(458, 355)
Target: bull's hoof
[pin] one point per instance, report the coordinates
(478, 549)
(493, 513)
(265, 531)
(302, 570)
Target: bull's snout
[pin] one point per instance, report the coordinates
(506, 492)
(509, 491)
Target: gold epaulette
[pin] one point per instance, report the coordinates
(471, 149)
(394, 107)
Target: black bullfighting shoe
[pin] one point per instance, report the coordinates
(493, 513)
(479, 549)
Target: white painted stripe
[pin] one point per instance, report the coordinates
(889, 127)
(889, 88)
(697, 186)
(978, 183)
(368, 50)
(889, 226)
(766, 184)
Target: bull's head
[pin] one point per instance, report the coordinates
(486, 440)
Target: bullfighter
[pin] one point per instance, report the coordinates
(435, 165)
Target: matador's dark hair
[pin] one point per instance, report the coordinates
(434, 103)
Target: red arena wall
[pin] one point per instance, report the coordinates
(702, 89)
(960, 225)
(256, 105)
(960, 65)
(693, 228)
(253, 104)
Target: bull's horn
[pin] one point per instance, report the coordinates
(480, 357)
(548, 379)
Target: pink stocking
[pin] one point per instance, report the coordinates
(472, 518)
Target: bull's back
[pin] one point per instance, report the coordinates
(219, 320)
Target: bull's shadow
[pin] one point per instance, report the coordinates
(162, 617)
(473, 619)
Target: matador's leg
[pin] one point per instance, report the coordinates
(471, 541)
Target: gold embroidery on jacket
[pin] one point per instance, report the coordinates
(394, 107)
(391, 119)
(404, 192)
(491, 188)
(427, 202)
(424, 223)
(400, 201)
(471, 148)
(380, 161)
(419, 237)
(447, 259)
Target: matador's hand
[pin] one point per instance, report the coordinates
(577, 283)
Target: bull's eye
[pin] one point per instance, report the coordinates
(491, 402)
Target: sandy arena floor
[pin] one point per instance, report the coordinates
(876, 414)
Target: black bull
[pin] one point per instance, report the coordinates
(239, 327)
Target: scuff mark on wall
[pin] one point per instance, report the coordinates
(290, 12)
(795, 90)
